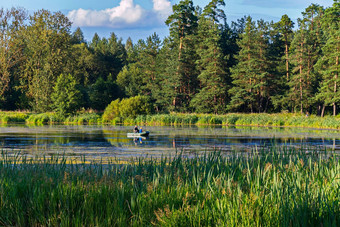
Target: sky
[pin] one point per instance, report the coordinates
(139, 19)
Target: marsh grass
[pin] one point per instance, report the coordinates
(13, 117)
(291, 120)
(91, 117)
(276, 186)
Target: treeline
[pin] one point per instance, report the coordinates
(205, 65)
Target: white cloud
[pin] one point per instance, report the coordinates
(162, 7)
(127, 14)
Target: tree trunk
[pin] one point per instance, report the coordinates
(287, 63)
(301, 93)
(323, 110)
(335, 86)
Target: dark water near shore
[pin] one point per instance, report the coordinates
(97, 142)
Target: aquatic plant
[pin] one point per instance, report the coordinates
(274, 186)
(13, 117)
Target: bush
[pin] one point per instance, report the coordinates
(127, 108)
(112, 111)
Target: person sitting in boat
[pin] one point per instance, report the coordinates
(140, 130)
(136, 129)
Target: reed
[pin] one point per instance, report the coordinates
(84, 118)
(280, 186)
(13, 117)
(291, 120)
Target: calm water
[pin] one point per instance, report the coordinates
(111, 141)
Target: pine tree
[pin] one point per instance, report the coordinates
(251, 77)
(183, 28)
(213, 87)
(305, 50)
(328, 64)
(285, 29)
(148, 61)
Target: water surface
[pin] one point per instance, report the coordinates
(97, 142)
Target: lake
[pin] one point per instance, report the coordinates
(101, 142)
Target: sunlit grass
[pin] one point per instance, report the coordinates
(291, 120)
(287, 119)
(275, 186)
(13, 117)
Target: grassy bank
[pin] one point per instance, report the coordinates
(294, 120)
(48, 118)
(279, 187)
(13, 117)
(290, 120)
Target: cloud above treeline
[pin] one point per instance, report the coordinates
(126, 15)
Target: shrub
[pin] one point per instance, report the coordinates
(112, 111)
(127, 108)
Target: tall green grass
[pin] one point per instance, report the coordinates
(292, 120)
(278, 186)
(13, 117)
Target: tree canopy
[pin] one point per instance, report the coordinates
(205, 65)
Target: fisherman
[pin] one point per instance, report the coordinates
(141, 130)
(136, 129)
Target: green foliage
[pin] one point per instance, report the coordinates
(66, 96)
(128, 108)
(205, 65)
(212, 96)
(130, 80)
(44, 118)
(47, 43)
(132, 107)
(102, 92)
(276, 186)
(84, 118)
(13, 117)
(253, 84)
(112, 111)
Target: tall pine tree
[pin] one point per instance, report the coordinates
(183, 28)
(328, 64)
(212, 95)
(251, 77)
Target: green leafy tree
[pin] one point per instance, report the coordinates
(47, 46)
(11, 46)
(66, 96)
(82, 64)
(130, 80)
(102, 92)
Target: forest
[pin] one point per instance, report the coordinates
(205, 65)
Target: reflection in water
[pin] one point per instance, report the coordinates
(109, 141)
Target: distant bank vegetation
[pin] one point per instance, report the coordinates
(117, 114)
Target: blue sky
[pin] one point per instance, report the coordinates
(140, 18)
